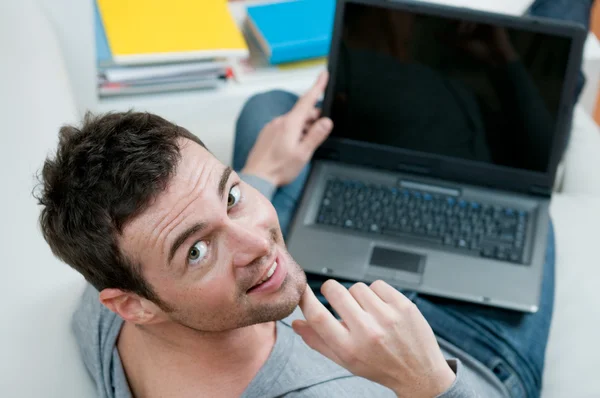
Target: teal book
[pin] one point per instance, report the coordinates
(103, 54)
(292, 30)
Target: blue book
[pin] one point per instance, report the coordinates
(292, 30)
(103, 54)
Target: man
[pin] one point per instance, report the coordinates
(191, 263)
(191, 276)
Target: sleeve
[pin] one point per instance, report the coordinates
(460, 388)
(262, 186)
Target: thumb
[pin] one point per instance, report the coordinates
(317, 133)
(314, 341)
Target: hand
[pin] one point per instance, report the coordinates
(382, 337)
(287, 143)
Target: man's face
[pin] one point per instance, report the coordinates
(206, 243)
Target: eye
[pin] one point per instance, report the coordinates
(234, 196)
(197, 252)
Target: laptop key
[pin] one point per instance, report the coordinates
(401, 234)
(469, 226)
(501, 255)
(515, 257)
(488, 252)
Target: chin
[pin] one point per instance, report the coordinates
(292, 303)
(292, 290)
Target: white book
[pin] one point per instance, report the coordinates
(121, 90)
(123, 74)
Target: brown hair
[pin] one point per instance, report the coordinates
(105, 173)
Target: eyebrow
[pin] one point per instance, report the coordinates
(223, 181)
(185, 235)
(182, 237)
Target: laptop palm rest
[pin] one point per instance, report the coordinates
(396, 265)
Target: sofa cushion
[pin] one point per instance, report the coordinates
(573, 353)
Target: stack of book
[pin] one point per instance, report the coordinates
(151, 46)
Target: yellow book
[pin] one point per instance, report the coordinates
(149, 31)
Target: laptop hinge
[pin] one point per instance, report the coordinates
(429, 188)
(540, 191)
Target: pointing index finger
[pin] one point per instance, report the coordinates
(322, 321)
(307, 102)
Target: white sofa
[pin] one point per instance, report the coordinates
(38, 293)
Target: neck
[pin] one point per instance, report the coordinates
(214, 348)
(172, 353)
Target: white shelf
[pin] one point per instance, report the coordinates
(230, 90)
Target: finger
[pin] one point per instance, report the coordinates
(314, 341)
(313, 115)
(322, 321)
(341, 321)
(368, 299)
(343, 303)
(316, 134)
(388, 293)
(309, 99)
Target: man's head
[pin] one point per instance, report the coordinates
(162, 229)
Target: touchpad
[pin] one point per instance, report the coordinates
(396, 264)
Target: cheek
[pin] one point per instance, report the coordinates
(268, 209)
(216, 291)
(261, 209)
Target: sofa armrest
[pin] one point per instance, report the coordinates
(572, 358)
(39, 293)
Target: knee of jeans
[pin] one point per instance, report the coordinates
(264, 107)
(570, 10)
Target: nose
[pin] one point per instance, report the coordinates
(248, 244)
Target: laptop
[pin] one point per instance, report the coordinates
(449, 125)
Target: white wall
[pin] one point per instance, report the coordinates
(72, 20)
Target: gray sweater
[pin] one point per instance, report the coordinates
(292, 369)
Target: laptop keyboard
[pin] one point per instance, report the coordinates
(474, 228)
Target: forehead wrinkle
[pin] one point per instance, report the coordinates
(164, 227)
(192, 171)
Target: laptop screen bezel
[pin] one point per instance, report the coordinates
(450, 168)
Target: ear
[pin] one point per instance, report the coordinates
(130, 306)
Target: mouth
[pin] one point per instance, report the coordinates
(266, 276)
(271, 279)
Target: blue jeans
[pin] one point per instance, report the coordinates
(511, 344)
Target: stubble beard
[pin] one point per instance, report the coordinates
(291, 290)
(283, 305)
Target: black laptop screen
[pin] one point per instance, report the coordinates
(448, 87)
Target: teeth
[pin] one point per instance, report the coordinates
(270, 273)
